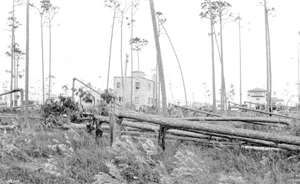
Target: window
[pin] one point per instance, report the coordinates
(137, 85)
(149, 86)
(136, 100)
(148, 100)
(120, 99)
(258, 94)
(118, 84)
(257, 99)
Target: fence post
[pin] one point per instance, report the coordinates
(115, 125)
(22, 100)
(162, 136)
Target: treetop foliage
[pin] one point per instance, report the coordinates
(112, 4)
(215, 6)
(108, 96)
(138, 43)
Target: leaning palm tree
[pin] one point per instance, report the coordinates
(113, 5)
(159, 61)
(161, 21)
(162, 129)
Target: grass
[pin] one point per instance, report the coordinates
(45, 155)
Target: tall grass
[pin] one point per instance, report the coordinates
(37, 155)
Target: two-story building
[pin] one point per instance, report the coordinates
(257, 96)
(142, 90)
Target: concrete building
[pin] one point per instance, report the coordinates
(257, 96)
(142, 92)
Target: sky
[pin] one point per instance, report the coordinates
(81, 36)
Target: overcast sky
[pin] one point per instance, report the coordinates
(81, 37)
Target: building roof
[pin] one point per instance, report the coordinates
(257, 90)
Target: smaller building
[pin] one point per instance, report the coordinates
(257, 97)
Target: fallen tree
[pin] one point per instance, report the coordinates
(198, 111)
(263, 112)
(275, 140)
(243, 119)
(144, 127)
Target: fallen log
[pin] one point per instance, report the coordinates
(257, 148)
(142, 127)
(134, 128)
(263, 112)
(213, 114)
(243, 119)
(172, 134)
(174, 137)
(7, 127)
(155, 128)
(19, 117)
(196, 110)
(204, 127)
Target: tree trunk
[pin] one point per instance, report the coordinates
(273, 121)
(200, 111)
(162, 129)
(121, 58)
(12, 53)
(264, 112)
(110, 47)
(42, 47)
(213, 60)
(138, 60)
(240, 54)
(49, 88)
(270, 67)
(160, 63)
(27, 63)
(267, 56)
(131, 58)
(177, 62)
(299, 75)
(214, 130)
(223, 91)
(15, 75)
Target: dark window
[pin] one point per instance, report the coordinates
(137, 85)
(118, 84)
